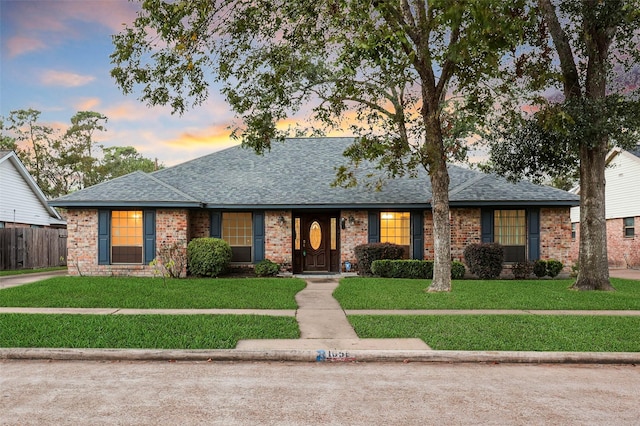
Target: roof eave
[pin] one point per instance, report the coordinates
(127, 204)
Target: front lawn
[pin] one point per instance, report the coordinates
(387, 293)
(154, 293)
(140, 331)
(508, 332)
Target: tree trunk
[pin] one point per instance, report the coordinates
(441, 229)
(593, 259)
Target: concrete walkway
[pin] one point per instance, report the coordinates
(325, 332)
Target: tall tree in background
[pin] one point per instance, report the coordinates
(391, 64)
(61, 164)
(35, 139)
(593, 42)
(80, 144)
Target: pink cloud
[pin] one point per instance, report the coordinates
(44, 23)
(64, 79)
(20, 45)
(87, 104)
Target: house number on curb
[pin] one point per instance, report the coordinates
(333, 356)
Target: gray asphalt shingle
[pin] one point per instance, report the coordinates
(299, 172)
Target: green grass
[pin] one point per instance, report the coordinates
(508, 332)
(386, 293)
(149, 293)
(141, 331)
(31, 271)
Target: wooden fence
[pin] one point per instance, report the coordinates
(29, 248)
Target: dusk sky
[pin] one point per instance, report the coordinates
(55, 59)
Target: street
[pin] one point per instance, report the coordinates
(89, 392)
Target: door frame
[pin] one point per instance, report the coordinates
(303, 220)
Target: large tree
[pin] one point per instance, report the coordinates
(384, 68)
(584, 48)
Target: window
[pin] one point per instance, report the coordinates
(574, 225)
(395, 228)
(237, 230)
(510, 230)
(1, 225)
(629, 227)
(126, 236)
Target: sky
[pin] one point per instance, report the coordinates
(54, 58)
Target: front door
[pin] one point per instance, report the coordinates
(315, 243)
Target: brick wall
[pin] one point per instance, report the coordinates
(278, 237)
(622, 252)
(82, 242)
(353, 234)
(465, 230)
(199, 224)
(555, 235)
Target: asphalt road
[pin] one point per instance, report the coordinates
(185, 393)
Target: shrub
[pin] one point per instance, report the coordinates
(522, 270)
(554, 267)
(266, 268)
(540, 268)
(366, 254)
(457, 270)
(420, 269)
(415, 269)
(484, 260)
(208, 257)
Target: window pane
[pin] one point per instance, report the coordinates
(297, 230)
(237, 230)
(510, 230)
(126, 236)
(394, 228)
(629, 227)
(334, 227)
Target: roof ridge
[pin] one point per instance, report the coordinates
(477, 178)
(172, 188)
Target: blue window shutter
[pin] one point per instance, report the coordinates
(534, 233)
(216, 228)
(104, 231)
(258, 236)
(417, 234)
(374, 226)
(149, 230)
(486, 226)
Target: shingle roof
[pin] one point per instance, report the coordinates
(298, 174)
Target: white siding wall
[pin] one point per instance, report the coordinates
(16, 195)
(622, 192)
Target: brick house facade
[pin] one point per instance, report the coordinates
(269, 208)
(178, 226)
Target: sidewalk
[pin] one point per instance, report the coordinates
(326, 334)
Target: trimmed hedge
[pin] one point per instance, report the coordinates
(522, 270)
(415, 269)
(366, 254)
(484, 260)
(208, 257)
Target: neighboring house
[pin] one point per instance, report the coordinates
(282, 207)
(22, 203)
(622, 209)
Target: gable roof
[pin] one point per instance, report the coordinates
(10, 157)
(298, 174)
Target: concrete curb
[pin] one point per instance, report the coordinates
(321, 355)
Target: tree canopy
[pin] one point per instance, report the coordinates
(580, 105)
(408, 78)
